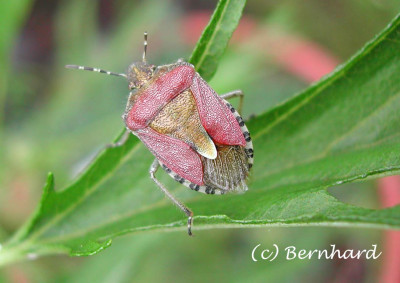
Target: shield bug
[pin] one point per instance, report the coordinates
(196, 136)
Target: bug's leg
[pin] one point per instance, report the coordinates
(235, 93)
(121, 141)
(153, 169)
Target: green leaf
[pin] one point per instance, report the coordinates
(215, 37)
(343, 129)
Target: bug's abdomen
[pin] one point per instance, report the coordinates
(228, 169)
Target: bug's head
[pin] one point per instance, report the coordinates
(139, 73)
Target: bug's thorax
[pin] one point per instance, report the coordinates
(154, 89)
(140, 76)
(178, 118)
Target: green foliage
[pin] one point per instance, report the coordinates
(343, 129)
(215, 37)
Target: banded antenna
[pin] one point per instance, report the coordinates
(108, 72)
(95, 70)
(145, 47)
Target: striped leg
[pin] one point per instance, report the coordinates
(235, 93)
(153, 169)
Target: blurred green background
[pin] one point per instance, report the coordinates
(53, 119)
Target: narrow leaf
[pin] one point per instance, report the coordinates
(215, 37)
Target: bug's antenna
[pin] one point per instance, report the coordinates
(145, 47)
(94, 70)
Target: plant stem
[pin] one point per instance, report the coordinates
(8, 256)
(12, 253)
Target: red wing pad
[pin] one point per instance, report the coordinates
(215, 116)
(175, 154)
(158, 94)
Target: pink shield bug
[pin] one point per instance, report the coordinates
(196, 136)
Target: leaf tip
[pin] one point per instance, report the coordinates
(49, 186)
